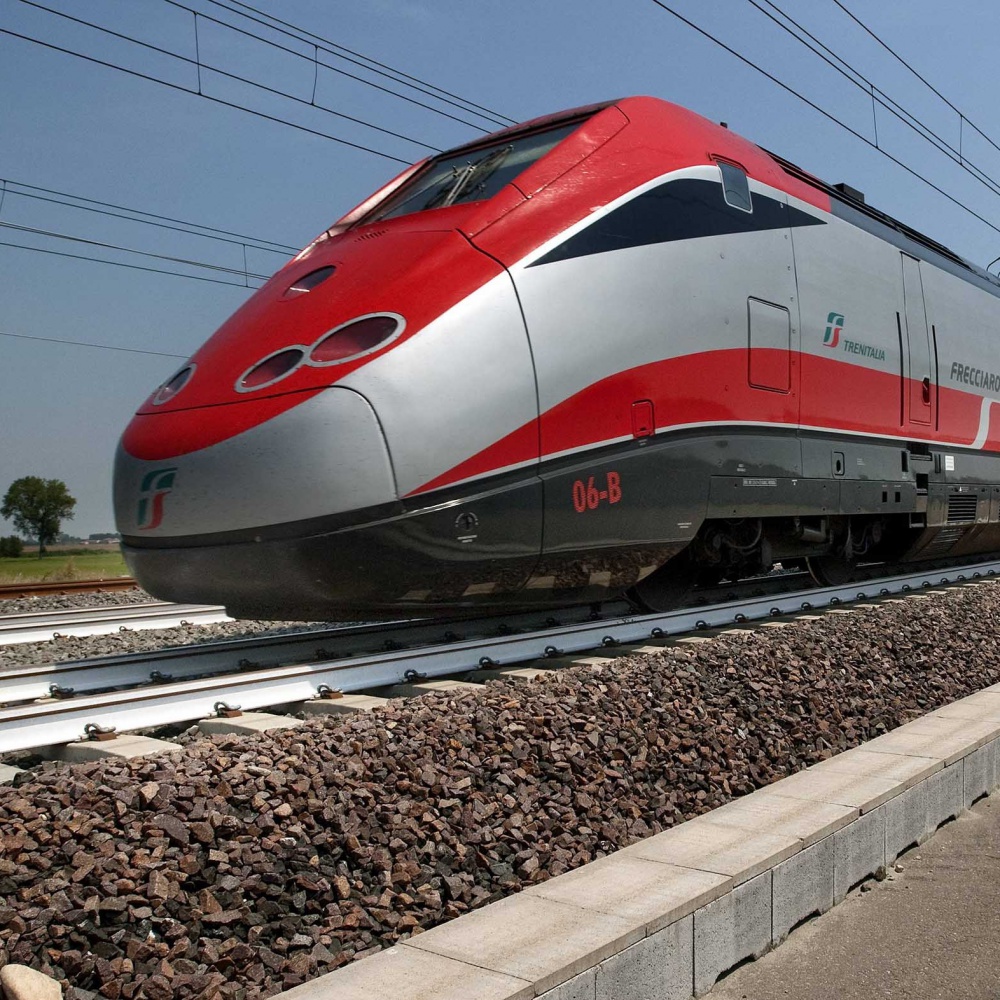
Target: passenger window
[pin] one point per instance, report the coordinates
(735, 187)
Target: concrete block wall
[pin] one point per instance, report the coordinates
(666, 917)
(858, 852)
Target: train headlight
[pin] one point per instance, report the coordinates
(349, 340)
(359, 336)
(270, 369)
(173, 385)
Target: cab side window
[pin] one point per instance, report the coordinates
(735, 187)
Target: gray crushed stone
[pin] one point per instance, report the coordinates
(242, 866)
(30, 654)
(70, 602)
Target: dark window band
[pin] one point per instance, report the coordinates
(677, 210)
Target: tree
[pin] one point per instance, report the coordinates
(11, 547)
(36, 506)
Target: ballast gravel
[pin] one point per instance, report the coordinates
(239, 867)
(71, 647)
(74, 601)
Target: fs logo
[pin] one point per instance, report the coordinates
(155, 486)
(834, 328)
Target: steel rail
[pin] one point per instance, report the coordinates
(235, 655)
(9, 591)
(39, 626)
(61, 721)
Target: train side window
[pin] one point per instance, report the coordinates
(735, 187)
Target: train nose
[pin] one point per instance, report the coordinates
(324, 456)
(321, 458)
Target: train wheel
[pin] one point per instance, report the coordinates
(831, 570)
(669, 587)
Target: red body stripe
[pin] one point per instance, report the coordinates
(713, 388)
(516, 448)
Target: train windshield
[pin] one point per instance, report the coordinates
(470, 176)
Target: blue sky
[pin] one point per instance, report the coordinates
(89, 130)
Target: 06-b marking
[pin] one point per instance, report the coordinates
(587, 496)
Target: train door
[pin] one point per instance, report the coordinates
(917, 371)
(770, 346)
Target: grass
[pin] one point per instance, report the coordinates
(68, 564)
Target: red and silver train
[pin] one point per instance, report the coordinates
(614, 350)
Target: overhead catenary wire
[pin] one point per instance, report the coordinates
(199, 65)
(197, 61)
(856, 79)
(660, 4)
(39, 193)
(61, 198)
(199, 92)
(366, 62)
(311, 59)
(878, 96)
(918, 75)
(207, 97)
(860, 81)
(33, 191)
(119, 263)
(141, 253)
(99, 347)
(826, 114)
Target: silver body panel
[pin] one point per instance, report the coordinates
(462, 383)
(322, 457)
(844, 269)
(594, 316)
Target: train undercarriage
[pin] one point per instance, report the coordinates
(830, 548)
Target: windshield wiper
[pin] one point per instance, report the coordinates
(480, 171)
(447, 192)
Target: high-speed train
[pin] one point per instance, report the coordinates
(614, 350)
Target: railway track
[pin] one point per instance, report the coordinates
(10, 591)
(38, 626)
(58, 703)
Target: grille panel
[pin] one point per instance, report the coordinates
(943, 542)
(962, 507)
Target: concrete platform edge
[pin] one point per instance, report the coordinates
(742, 899)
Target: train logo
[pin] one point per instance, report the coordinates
(155, 486)
(834, 327)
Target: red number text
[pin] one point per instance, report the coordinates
(589, 495)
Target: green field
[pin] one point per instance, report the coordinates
(67, 564)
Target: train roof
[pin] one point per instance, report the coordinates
(854, 199)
